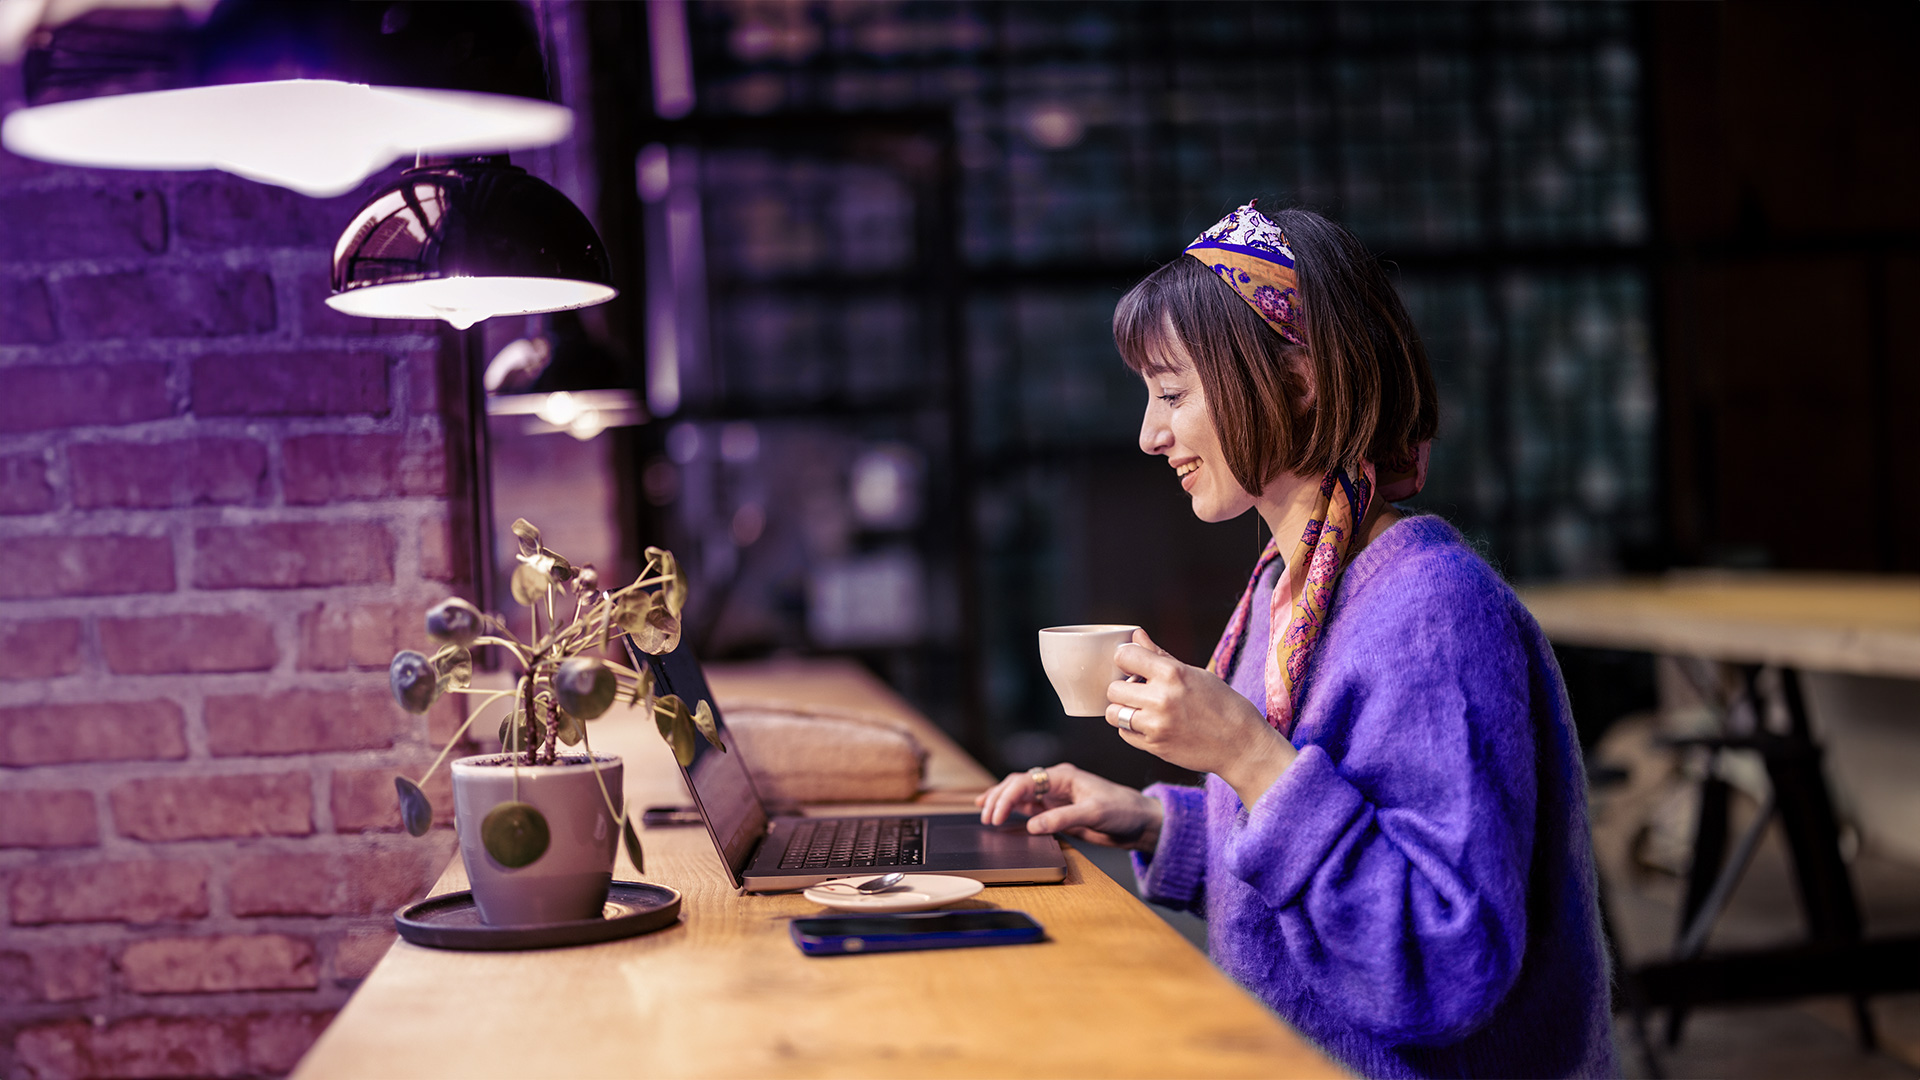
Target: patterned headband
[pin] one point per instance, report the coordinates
(1251, 255)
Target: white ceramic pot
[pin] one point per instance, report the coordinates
(567, 882)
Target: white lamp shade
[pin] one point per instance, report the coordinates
(316, 136)
(464, 301)
(313, 95)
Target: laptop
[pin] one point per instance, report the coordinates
(769, 853)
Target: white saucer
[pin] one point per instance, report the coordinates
(916, 892)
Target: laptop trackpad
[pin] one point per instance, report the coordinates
(961, 837)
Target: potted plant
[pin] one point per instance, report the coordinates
(537, 824)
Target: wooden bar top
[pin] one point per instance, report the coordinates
(1861, 624)
(1113, 992)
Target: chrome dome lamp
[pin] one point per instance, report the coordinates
(465, 240)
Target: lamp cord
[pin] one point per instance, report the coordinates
(545, 29)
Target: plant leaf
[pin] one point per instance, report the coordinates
(642, 696)
(416, 810)
(686, 738)
(571, 729)
(677, 591)
(413, 680)
(529, 537)
(663, 716)
(529, 584)
(630, 614)
(659, 633)
(585, 687)
(455, 620)
(703, 719)
(454, 665)
(515, 834)
(529, 735)
(670, 715)
(674, 593)
(559, 569)
(632, 840)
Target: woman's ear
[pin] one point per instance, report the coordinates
(1300, 366)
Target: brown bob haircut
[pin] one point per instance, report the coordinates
(1374, 396)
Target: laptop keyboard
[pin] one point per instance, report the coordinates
(834, 842)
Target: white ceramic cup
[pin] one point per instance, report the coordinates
(1079, 662)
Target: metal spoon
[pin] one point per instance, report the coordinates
(882, 883)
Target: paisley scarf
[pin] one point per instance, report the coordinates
(1251, 255)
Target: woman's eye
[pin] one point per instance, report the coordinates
(1170, 398)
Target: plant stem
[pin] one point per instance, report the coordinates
(620, 669)
(551, 751)
(472, 715)
(518, 650)
(620, 814)
(527, 700)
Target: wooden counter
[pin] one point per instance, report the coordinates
(1114, 992)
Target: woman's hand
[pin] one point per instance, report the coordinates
(1078, 803)
(1190, 717)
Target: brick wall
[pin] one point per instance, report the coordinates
(222, 507)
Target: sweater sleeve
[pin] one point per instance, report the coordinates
(1175, 874)
(1394, 852)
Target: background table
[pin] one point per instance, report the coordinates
(1860, 624)
(1113, 992)
(1854, 624)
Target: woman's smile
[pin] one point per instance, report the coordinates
(1185, 472)
(1179, 426)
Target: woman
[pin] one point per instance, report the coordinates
(1391, 846)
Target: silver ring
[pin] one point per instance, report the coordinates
(1040, 782)
(1126, 716)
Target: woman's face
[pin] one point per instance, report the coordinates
(1179, 426)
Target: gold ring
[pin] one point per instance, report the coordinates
(1040, 782)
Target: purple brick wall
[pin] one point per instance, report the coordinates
(224, 507)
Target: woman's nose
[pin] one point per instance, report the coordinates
(1155, 438)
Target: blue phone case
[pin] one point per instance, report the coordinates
(836, 935)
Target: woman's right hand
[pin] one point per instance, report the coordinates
(1077, 803)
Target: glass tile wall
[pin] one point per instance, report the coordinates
(1491, 152)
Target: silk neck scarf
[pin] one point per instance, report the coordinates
(1250, 253)
(1303, 595)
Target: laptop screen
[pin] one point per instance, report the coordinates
(721, 785)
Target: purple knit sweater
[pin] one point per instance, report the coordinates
(1416, 893)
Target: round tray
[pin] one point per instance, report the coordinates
(453, 921)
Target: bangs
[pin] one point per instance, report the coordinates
(1143, 325)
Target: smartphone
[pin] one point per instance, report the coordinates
(655, 816)
(834, 935)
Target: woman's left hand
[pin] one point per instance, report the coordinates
(1192, 718)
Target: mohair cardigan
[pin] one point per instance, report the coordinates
(1416, 893)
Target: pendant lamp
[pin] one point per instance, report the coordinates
(466, 240)
(313, 95)
(562, 379)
